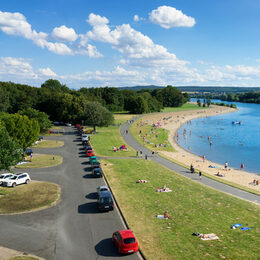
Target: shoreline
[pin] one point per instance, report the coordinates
(175, 121)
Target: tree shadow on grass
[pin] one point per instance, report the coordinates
(106, 248)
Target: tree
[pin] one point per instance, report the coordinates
(208, 102)
(9, 152)
(41, 117)
(53, 84)
(138, 105)
(21, 129)
(199, 102)
(4, 100)
(97, 115)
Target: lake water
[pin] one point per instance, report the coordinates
(235, 144)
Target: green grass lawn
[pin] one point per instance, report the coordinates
(41, 161)
(193, 207)
(106, 138)
(49, 144)
(28, 197)
(186, 106)
(23, 258)
(150, 136)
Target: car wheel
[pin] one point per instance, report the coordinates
(14, 184)
(27, 181)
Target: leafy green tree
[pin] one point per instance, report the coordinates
(199, 102)
(138, 105)
(41, 117)
(9, 152)
(4, 100)
(55, 85)
(208, 102)
(97, 115)
(170, 97)
(21, 129)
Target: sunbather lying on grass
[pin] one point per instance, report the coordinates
(142, 181)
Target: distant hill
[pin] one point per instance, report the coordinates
(199, 89)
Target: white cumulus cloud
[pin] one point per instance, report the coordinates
(136, 18)
(47, 72)
(168, 17)
(64, 34)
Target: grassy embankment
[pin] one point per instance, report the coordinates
(193, 207)
(49, 144)
(186, 106)
(107, 137)
(41, 161)
(22, 198)
(23, 258)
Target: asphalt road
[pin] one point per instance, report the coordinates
(73, 229)
(183, 171)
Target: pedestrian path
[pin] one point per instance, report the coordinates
(129, 139)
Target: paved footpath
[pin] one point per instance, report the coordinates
(129, 139)
(73, 229)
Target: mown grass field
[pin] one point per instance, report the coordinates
(23, 258)
(41, 161)
(28, 197)
(193, 207)
(49, 144)
(107, 137)
(186, 106)
(150, 136)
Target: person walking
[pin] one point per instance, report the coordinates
(200, 174)
(226, 165)
(137, 154)
(203, 158)
(126, 131)
(242, 166)
(141, 154)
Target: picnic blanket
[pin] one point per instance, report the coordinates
(161, 190)
(161, 216)
(236, 226)
(208, 236)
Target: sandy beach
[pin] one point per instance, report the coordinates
(172, 121)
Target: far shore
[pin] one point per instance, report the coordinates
(175, 121)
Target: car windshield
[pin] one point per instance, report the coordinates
(129, 240)
(14, 178)
(106, 200)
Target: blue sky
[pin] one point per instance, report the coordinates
(124, 43)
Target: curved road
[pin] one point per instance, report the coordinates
(73, 229)
(129, 139)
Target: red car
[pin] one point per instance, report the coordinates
(90, 153)
(125, 241)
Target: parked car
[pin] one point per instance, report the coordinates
(102, 188)
(97, 172)
(88, 147)
(28, 151)
(68, 124)
(92, 158)
(4, 177)
(95, 164)
(125, 241)
(84, 136)
(17, 179)
(90, 153)
(105, 201)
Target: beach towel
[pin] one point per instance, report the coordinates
(21, 163)
(161, 216)
(161, 190)
(213, 166)
(245, 228)
(236, 226)
(208, 236)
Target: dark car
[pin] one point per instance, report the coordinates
(97, 172)
(95, 164)
(105, 201)
(28, 151)
(88, 147)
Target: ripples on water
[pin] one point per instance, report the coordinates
(235, 144)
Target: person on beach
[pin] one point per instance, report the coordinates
(200, 174)
(191, 168)
(226, 165)
(203, 158)
(242, 166)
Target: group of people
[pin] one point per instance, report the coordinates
(122, 147)
(256, 182)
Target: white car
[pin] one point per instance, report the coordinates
(68, 124)
(17, 179)
(84, 137)
(102, 189)
(5, 176)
